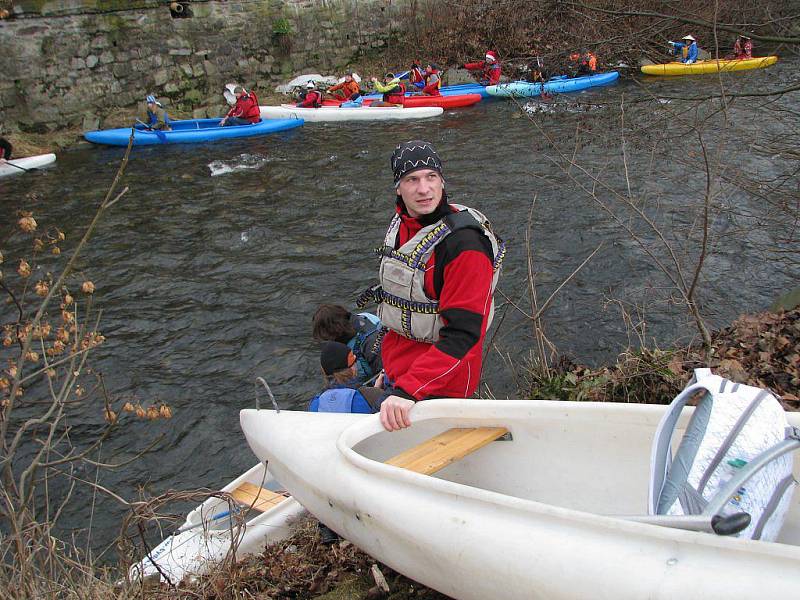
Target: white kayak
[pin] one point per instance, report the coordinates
(258, 516)
(539, 516)
(336, 113)
(21, 165)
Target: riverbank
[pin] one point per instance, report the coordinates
(759, 349)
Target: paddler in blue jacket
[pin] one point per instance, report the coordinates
(157, 117)
(687, 49)
(361, 332)
(342, 394)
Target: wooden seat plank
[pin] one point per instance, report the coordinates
(446, 448)
(261, 499)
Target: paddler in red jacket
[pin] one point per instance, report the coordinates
(439, 268)
(312, 98)
(245, 111)
(487, 71)
(433, 81)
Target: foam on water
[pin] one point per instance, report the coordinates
(243, 162)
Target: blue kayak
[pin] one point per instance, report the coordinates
(188, 132)
(556, 85)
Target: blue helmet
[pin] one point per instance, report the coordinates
(150, 99)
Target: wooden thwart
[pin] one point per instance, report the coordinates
(445, 448)
(260, 498)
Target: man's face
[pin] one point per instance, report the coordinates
(239, 94)
(348, 78)
(421, 191)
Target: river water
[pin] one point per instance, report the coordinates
(209, 269)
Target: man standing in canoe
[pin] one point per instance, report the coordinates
(439, 268)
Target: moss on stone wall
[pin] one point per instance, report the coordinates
(84, 68)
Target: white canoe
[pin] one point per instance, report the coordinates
(527, 518)
(204, 540)
(29, 162)
(336, 113)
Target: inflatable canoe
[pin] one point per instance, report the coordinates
(446, 102)
(448, 90)
(335, 113)
(187, 132)
(556, 85)
(709, 66)
(540, 512)
(256, 516)
(21, 165)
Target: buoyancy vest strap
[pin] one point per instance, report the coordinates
(428, 308)
(501, 254)
(732, 435)
(390, 252)
(772, 505)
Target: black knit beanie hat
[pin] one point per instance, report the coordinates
(413, 156)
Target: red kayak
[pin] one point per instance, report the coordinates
(446, 102)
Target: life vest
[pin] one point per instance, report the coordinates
(365, 344)
(340, 399)
(731, 426)
(397, 95)
(404, 306)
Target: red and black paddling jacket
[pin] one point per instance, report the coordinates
(459, 275)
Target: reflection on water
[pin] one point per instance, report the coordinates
(209, 269)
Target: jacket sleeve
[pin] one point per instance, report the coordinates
(380, 87)
(473, 66)
(338, 86)
(464, 305)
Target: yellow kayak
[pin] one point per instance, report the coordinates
(709, 66)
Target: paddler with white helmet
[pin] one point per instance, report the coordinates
(686, 49)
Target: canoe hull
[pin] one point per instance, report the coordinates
(703, 67)
(199, 550)
(191, 131)
(29, 162)
(481, 542)
(334, 113)
(524, 89)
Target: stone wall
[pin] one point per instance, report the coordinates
(69, 63)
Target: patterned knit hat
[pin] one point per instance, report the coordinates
(413, 156)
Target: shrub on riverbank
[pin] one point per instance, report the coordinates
(762, 350)
(548, 29)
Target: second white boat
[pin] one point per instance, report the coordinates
(361, 113)
(15, 166)
(254, 517)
